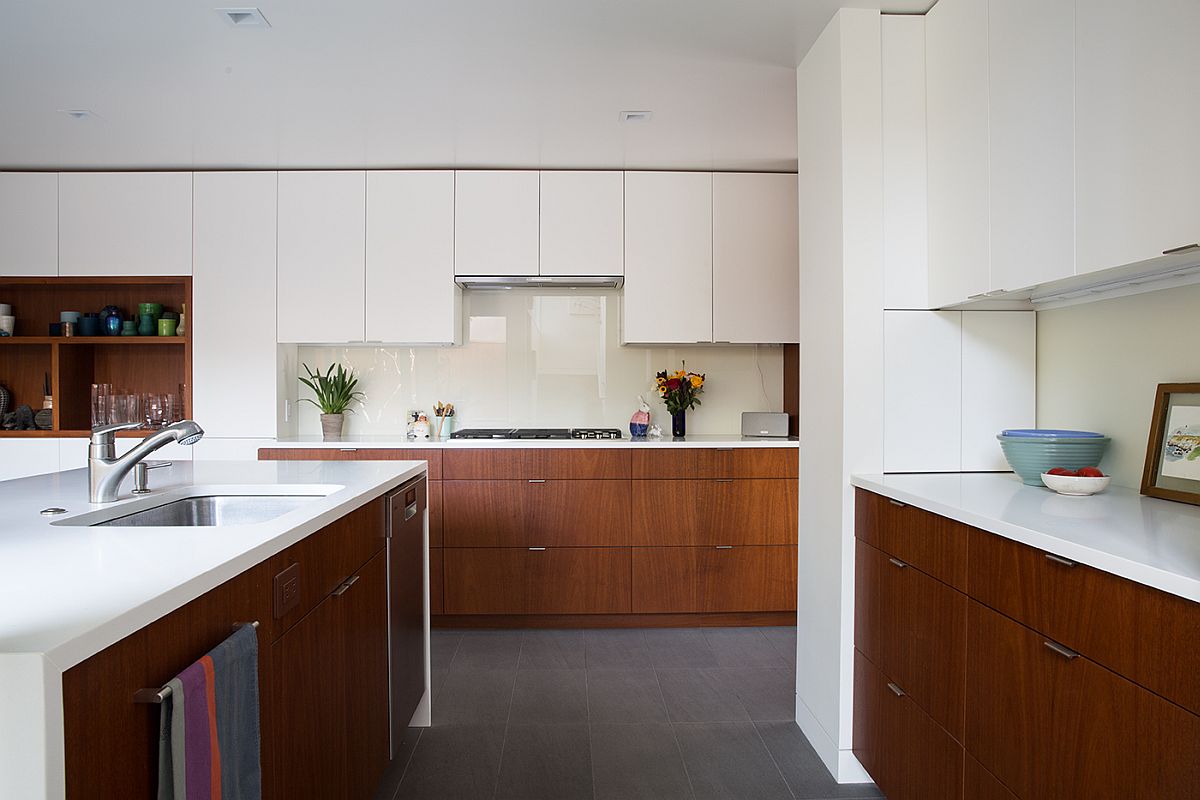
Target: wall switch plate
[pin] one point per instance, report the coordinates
(287, 590)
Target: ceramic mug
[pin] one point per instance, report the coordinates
(166, 327)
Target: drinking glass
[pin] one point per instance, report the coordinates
(118, 409)
(101, 394)
(156, 411)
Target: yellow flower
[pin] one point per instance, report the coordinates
(680, 374)
(697, 381)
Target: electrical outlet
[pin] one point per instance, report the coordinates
(287, 590)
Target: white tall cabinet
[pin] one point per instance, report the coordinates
(668, 258)
(125, 223)
(496, 222)
(1137, 117)
(410, 292)
(322, 256)
(28, 223)
(756, 260)
(234, 295)
(582, 227)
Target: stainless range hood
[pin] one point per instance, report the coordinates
(540, 281)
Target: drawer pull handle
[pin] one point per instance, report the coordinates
(724, 449)
(536, 549)
(1066, 562)
(1181, 249)
(724, 547)
(347, 449)
(1065, 652)
(896, 690)
(341, 590)
(895, 502)
(897, 562)
(722, 480)
(539, 480)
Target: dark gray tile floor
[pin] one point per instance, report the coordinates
(614, 715)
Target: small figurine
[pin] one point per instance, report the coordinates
(420, 426)
(655, 432)
(640, 420)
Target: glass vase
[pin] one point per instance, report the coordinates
(679, 424)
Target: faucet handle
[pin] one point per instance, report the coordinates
(105, 434)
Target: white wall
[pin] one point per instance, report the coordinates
(543, 358)
(841, 362)
(1099, 364)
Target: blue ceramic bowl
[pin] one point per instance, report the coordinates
(1030, 456)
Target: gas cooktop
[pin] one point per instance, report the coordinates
(537, 433)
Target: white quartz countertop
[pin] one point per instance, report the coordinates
(1150, 541)
(399, 442)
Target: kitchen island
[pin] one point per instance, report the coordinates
(74, 598)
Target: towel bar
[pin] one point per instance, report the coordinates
(157, 696)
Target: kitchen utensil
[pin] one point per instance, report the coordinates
(1030, 456)
(1075, 486)
(1050, 433)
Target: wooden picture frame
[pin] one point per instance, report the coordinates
(1172, 470)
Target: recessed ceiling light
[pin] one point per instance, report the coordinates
(636, 116)
(244, 17)
(78, 113)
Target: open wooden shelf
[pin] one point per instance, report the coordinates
(159, 364)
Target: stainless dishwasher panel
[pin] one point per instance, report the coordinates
(406, 604)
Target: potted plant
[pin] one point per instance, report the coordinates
(680, 390)
(334, 390)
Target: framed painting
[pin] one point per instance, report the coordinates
(1172, 470)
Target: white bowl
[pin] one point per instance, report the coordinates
(1080, 487)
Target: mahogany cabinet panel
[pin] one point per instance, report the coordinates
(716, 462)
(916, 629)
(577, 513)
(935, 545)
(979, 784)
(909, 756)
(714, 579)
(435, 581)
(1139, 632)
(484, 580)
(435, 513)
(363, 620)
(350, 453)
(484, 513)
(766, 462)
(715, 511)
(577, 580)
(540, 463)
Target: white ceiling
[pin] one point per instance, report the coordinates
(379, 83)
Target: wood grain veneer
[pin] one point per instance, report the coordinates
(716, 462)
(352, 453)
(557, 580)
(715, 511)
(979, 784)
(935, 545)
(711, 579)
(545, 463)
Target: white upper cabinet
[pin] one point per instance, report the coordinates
(322, 256)
(28, 223)
(1032, 176)
(999, 383)
(233, 290)
(668, 257)
(956, 59)
(756, 261)
(411, 295)
(582, 223)
(1137, 116)
(125, 223)
(922, 390)
(496, 222)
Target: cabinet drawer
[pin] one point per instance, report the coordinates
(434, 457)
(1144, 634)
(979, 784)
(554, 580)
(715, 511)
(714, 579)
(536, 463)
(1053, 726)
(716, 462)
(914, 629)
(935, 545)
(909, 756)
(554, 513)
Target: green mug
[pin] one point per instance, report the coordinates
(166, 327)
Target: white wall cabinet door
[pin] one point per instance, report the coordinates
(999, 382)
(28, 223)
(233, 290)
(582, 228)
(668, 257)
(922, 391)
(1032, 141)
(21, 458)
(411, 295)
(956, 59)
(496, 222)
(125, 223)
(1137, 163)
(756, 260)
(322, 256)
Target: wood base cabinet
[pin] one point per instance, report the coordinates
(714, 579)
(542, 580)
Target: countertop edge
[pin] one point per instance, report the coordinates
(1122, 567)
(467, 444)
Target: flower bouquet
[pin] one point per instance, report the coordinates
(680, 390)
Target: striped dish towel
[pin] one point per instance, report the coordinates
(208, 730)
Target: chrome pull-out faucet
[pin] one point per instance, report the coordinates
(106, 471)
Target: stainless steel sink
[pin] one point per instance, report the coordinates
(212, 510)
